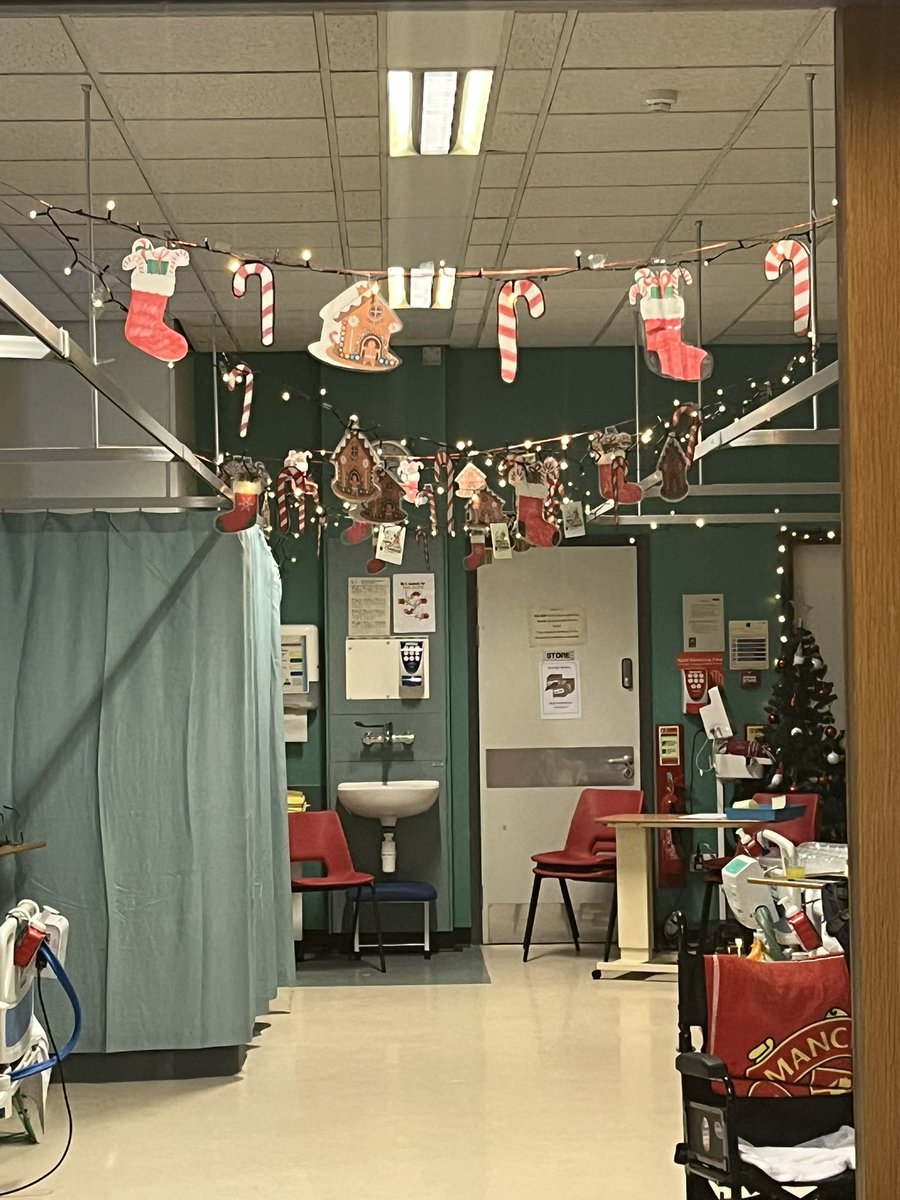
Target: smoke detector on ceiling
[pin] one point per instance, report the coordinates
(661, 100)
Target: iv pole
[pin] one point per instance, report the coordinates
(86, 90)
(813, 241)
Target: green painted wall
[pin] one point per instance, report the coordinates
(556, 391)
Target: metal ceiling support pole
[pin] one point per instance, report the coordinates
(86, 90)
(215, 380)
(699, 231)
(813, 241)
(637, 399)
(58, 340)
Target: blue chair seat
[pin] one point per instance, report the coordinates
(395, 889)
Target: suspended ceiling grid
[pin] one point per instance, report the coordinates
(269, 132)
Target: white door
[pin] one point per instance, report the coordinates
(543, 739)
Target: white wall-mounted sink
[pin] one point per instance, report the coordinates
(387, 801)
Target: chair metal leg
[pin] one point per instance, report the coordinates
(613, 917)
(532, 910)
(354, 926)
(426, 936)
(708, 895)
(570, 913)
(377, 916)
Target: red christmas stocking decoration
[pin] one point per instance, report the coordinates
(615, 484)
(152, 284)
(536, 529)
(246, 507)
(475, 558)
(358, 532)
(674, 358)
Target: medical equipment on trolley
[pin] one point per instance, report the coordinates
(33, 939)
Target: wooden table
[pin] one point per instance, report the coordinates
(634, 886)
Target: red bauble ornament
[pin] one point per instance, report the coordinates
(773, 718)
(830, 731)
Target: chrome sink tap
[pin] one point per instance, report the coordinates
(385, 739)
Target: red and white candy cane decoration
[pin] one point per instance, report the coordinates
(507, 323)
(443, 465)
(550, 474)
(685, 410)
(295, 475)
(241, 373)
(426, 496)
(266, 296)
(669, 277)
(795, 253)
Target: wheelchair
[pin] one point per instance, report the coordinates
(799, 1091)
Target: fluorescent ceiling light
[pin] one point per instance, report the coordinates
(400, 113)
(438, 102)
(430, 113)
(22, 345)
(476, 93)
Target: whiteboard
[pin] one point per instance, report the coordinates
(819, 605)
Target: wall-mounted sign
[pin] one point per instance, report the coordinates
(704, 622)
(414, 604)
(560, 689)
(368, 607)
(557, 627)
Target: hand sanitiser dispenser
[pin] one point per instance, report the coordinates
(299, 678)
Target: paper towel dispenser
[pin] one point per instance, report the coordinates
(299, 678)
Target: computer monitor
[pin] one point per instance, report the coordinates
(714, 717)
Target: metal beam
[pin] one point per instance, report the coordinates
(803, 518)
(44, 454)
(801, 391)
(59, 341)
(788, 437)
(107, 503)
(766, 489)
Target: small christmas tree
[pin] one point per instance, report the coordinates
(808, 748)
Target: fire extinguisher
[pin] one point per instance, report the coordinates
(672, 864)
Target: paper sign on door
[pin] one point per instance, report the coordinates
(560, 689)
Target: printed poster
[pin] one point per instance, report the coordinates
(560, 689)
(413, 604)
(368, 607)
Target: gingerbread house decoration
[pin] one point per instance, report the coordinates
(469, 481)
(357, 327)
(355, 462)
(484, 509)
(386, 508)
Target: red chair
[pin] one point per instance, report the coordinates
(589, 856)
(319, 837)
(799, 830)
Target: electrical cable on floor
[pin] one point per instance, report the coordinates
(62, 1158)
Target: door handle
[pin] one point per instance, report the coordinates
(627, 759)
(627, 674)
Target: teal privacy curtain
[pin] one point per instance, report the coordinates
(140, 734)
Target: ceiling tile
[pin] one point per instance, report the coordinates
(556, 254)
(534, 39)
(622, 168)
(471, 293)
(266, 238)
(253, 206)
(363, 233)
(780, 129)
(750, 198)
(774, 166)
(59, 139)
(487, 229)
(355, 93)
(47, 98)
(352, 42)
(357, 135)
(603, 201)
(510, 132)
(34, 283)
(704, 89)
(480, 256)
(362, 206)
(684, 39)
(364, 258)
(431, 185)
(588, 232)
(217, 96)
(230, 139)
(360, 174)
(502, 170)
(732, 227)
(18, 260)
(37, 44)
(522, 91)
(230, 175)
(110, 176)
(129, 208)
(184, 43)
(820, 46)
(791, 92)
(638, 131)
(495, 202)
(425, 239)
(459, 39)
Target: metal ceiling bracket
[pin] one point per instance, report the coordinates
(59, 341)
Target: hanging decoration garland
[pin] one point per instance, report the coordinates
(609, 449)
(266, 277)
(152, 285)
(507, 322)
(662, 314)
(795, 255)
